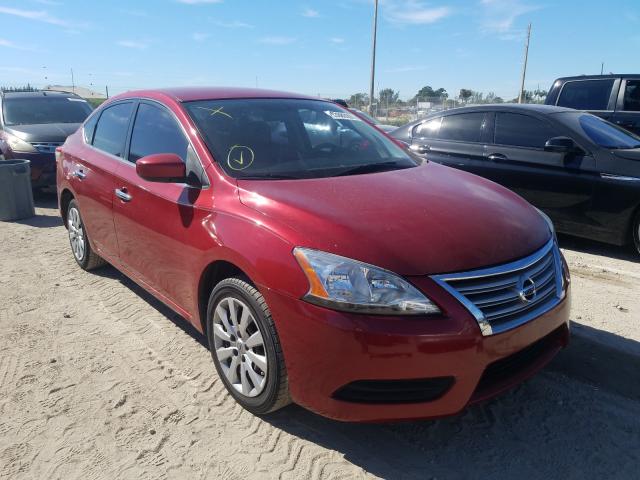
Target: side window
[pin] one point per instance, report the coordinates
(156, 131)
(89, 128)
(632, 96)
(464, 127)
(428, 129)
(111, 131)
(521, 130)
(586, 94)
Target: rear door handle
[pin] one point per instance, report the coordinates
(79, 174)
(420, 149)
(497, 157)
(623, 123)
(122, 194)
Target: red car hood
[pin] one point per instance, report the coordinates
(424, 220)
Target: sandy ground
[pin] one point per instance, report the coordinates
(100, 381)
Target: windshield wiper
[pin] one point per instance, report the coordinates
(375, 167)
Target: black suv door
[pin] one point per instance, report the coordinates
(627, 114)
(455, 140)
(560, 184)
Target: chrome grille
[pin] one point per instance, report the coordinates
(46, 147)
(504, 297)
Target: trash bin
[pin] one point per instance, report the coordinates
(16, 197)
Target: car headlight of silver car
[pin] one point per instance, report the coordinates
(344, 284)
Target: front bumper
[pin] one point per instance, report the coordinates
(43, 167)
(326, 350)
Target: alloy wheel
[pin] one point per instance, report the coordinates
(239, 347)
(76, 234)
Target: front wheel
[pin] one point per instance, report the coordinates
(245, 347)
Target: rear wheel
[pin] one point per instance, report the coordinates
(80, 247)
(245, 347)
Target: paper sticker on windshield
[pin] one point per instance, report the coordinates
(240, 157)
(76, 100)
(342, 116)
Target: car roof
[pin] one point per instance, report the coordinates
(597, 77)
(189, 94)
(509, 107)
(39, 94)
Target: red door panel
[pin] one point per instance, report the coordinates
(93, 181)
(156, 229)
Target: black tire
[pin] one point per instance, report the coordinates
(635, 232)
(275, 393)
(88, 260)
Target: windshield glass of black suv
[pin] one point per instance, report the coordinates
(292, 138)
(39, 110)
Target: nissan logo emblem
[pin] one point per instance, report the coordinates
(527, 290)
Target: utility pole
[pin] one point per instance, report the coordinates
(373, 56)
(602, 68)
(524, 67)
(106, 89)
(73, 83)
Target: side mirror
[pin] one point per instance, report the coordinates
(162, 167)
(419, 149)
(560, 145)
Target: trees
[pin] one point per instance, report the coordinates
(358, 100)
(426, 94)
(388, 97)
(465, 94)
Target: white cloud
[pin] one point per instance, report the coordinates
(198, 2)
(36, 15)
(310, 13)
(499, 17)
(199, 36)
(414, 12)
(138, 45)
(233, 24)
(337, 40)
(275, 40)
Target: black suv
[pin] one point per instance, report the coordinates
(615, 98)
(581, 170)
(33, 124)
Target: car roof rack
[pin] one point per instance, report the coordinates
(59, 91)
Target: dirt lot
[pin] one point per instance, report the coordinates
(100, 381)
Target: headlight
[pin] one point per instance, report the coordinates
(343, 284)
(18, 145)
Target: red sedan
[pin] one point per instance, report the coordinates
(325, 264)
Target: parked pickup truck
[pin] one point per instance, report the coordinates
(615, 98)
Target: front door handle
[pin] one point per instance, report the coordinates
(625, 124)
(497, 157)
(122, 194)
(79, 174)
(420, 149)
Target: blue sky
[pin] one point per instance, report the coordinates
(314, 47)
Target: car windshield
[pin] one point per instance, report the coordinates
(38, 110)
(366, 116)
(607, 135)
(293, 138)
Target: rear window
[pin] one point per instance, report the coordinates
(586, 94)
(521, 130)
(632, 96)
(606, 134)
(464, 127)
(111, 131)
(40, 110)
